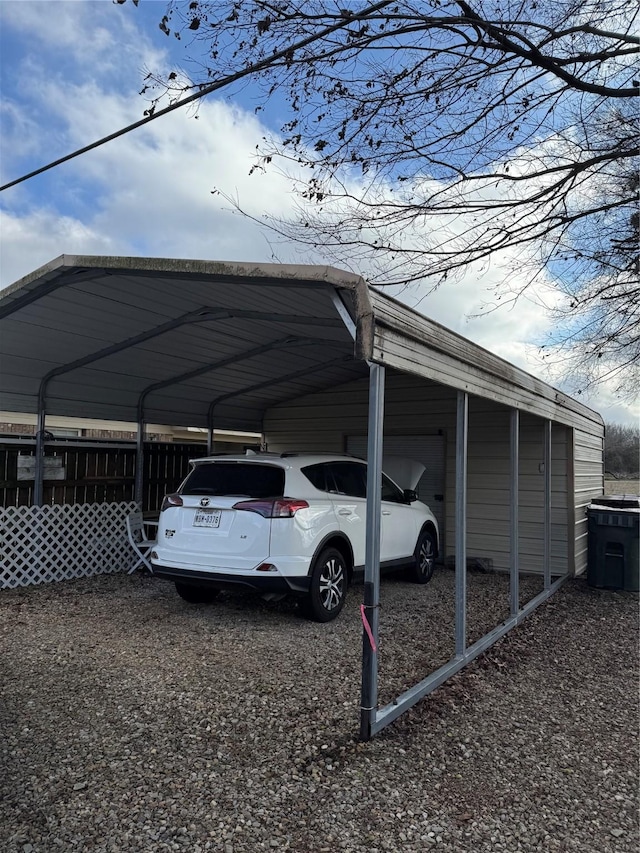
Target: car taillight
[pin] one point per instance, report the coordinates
(288, 507)
(278, 508)
(171, 500)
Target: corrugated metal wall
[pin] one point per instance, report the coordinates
(428, 449)
(414, 406)
(588, 484)
(532, 494)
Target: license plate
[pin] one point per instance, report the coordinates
(207, 518)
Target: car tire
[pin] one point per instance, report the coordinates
(328, 588)
(424, 557)
(196, 594)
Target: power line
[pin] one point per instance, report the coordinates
(206, 90)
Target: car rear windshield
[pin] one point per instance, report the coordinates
(235, 478)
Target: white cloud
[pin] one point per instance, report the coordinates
(32, 240)
(150, 192)
(145, 193)
(100, 36)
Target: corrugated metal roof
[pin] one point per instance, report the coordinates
(109, 337)
(178, 340)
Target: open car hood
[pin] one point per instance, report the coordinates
(405, 472)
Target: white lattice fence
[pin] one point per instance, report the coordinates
(40, 544)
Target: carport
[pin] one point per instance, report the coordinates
(313, 358)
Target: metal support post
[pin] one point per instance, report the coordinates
(369, 692)
(547, 504)
(38, 482)
(462, 430)
(209, 440)
(138, 494)
(514, 445)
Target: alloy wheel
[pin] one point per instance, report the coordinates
(331, 583)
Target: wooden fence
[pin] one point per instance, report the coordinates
(91, 472)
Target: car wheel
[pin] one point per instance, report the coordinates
(196, 594)
(424, 556)
(328, 588)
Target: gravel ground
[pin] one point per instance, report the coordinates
(132, 721)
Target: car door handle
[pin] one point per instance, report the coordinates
(386, 512)
(344, 512)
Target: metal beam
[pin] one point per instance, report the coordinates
(48, 287)
(225, 362)
(293, 319)
(371, 606)
(215, 365)
(38, 483)
(205, 314)
(287, 377)
(139, 481)
(547, 504)
(346, 317)
(462, 430)
(200, 315)
(184, 377)
(514, 446)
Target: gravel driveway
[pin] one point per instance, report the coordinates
(131, 721)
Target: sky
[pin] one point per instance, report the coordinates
(71, 72)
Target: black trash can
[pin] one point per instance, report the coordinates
(613, 560)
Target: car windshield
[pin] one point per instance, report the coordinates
(235, 478)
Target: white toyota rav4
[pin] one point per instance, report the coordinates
(287, 523)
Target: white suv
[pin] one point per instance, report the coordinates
(287, 523)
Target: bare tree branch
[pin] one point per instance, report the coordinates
(425, 138)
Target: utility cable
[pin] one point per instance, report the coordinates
(206, 90)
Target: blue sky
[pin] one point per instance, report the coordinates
(71, 72)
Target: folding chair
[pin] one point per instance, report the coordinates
(137, 536)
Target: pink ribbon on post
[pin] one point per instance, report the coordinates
(367, 628)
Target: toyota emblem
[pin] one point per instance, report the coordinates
(204, 502)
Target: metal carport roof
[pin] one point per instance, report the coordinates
(174, 342)
(192, 342)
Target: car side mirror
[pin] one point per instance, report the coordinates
(410, 495)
